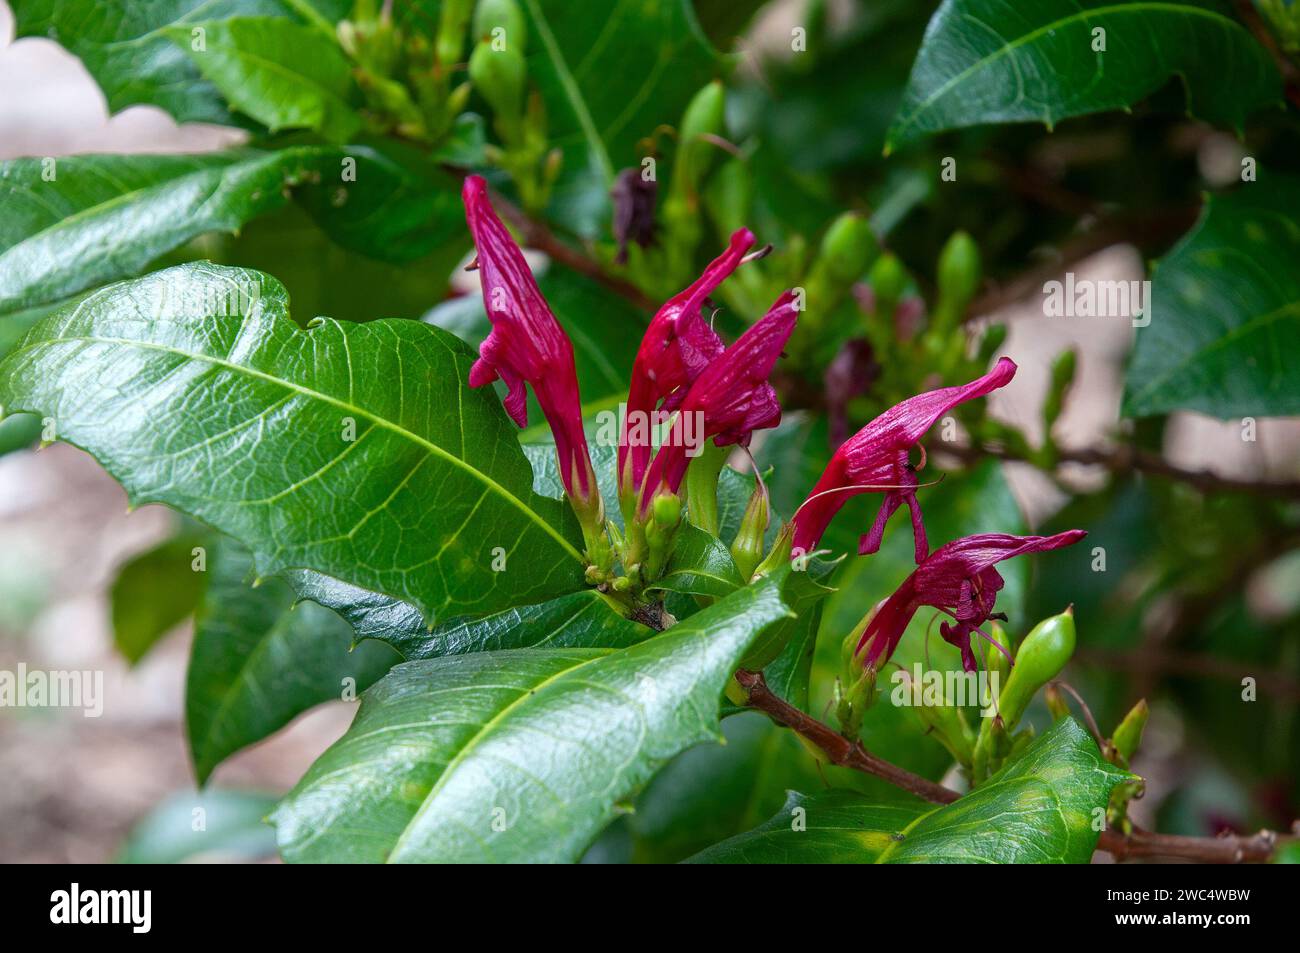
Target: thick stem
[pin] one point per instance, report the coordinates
(1257, 848)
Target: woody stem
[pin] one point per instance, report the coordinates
(1253, 848)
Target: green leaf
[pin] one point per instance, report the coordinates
(125, 48)
(105, 217)
(357, 450)
(983, 61)
(1225, 311)
(789, 674)
(390, 205)
(716, 791)
(700, 565)
(258, 660)
(154, 592)
(283, 75)
(234, 829)
(839, 827)
(583, 619)
(609, 76)
(1038, 809)
(522, 755)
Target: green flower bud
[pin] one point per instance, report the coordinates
(780, 554)
(704, 116)
(851, 705)
(500, 75)
(959, 269)
(453, 21)
(1040, 658)
(701, 487)
(1128, 735)
(667, 510)
(747, 548)
(848, 249)
(490, 15)
(888, 279)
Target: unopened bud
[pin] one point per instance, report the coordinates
(1040, 658)
(1054, 698)
(453, 21)
(1062, 377)
(504, 15)
(500, 75)
(704, 116)
(747, 548)
(959, 269)
(1128, 735)
(888, 280)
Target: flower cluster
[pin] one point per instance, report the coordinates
(684, 372)
(682, 367)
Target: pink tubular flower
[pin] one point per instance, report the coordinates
(678, 345)
(875, 460)
(527, 344)
(732, 396)
(957, 578)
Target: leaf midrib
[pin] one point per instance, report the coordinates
(571, 91)
(1082, 15)
(308, 392)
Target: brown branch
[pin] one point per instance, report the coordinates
(841, 751)
(1277, 685)
(1125, 460)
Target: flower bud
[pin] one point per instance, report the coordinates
(701, 486)
(888, 280)
(453, 21)
(959, 270)
(704, 116)
(490, 14)
(747, 548)
(1040, 658)
(500, 75)
(1128, 735)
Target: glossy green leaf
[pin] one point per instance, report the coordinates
(582, 619)
(1225, 313)
(154, 592)
(284, 75)
(357, 450)
(522, 755)
(106, 217)
(839, 827)
(389, 204)
(985, 61)
(603, 93)
(124, 46)
(259, 661)
(700, 565)
(219, 825)
(1044, 807)
(712, 792)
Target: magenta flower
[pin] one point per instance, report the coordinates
(957, 578)
(676, 348)
(875, 460)
(731, 396)
(527, 345)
